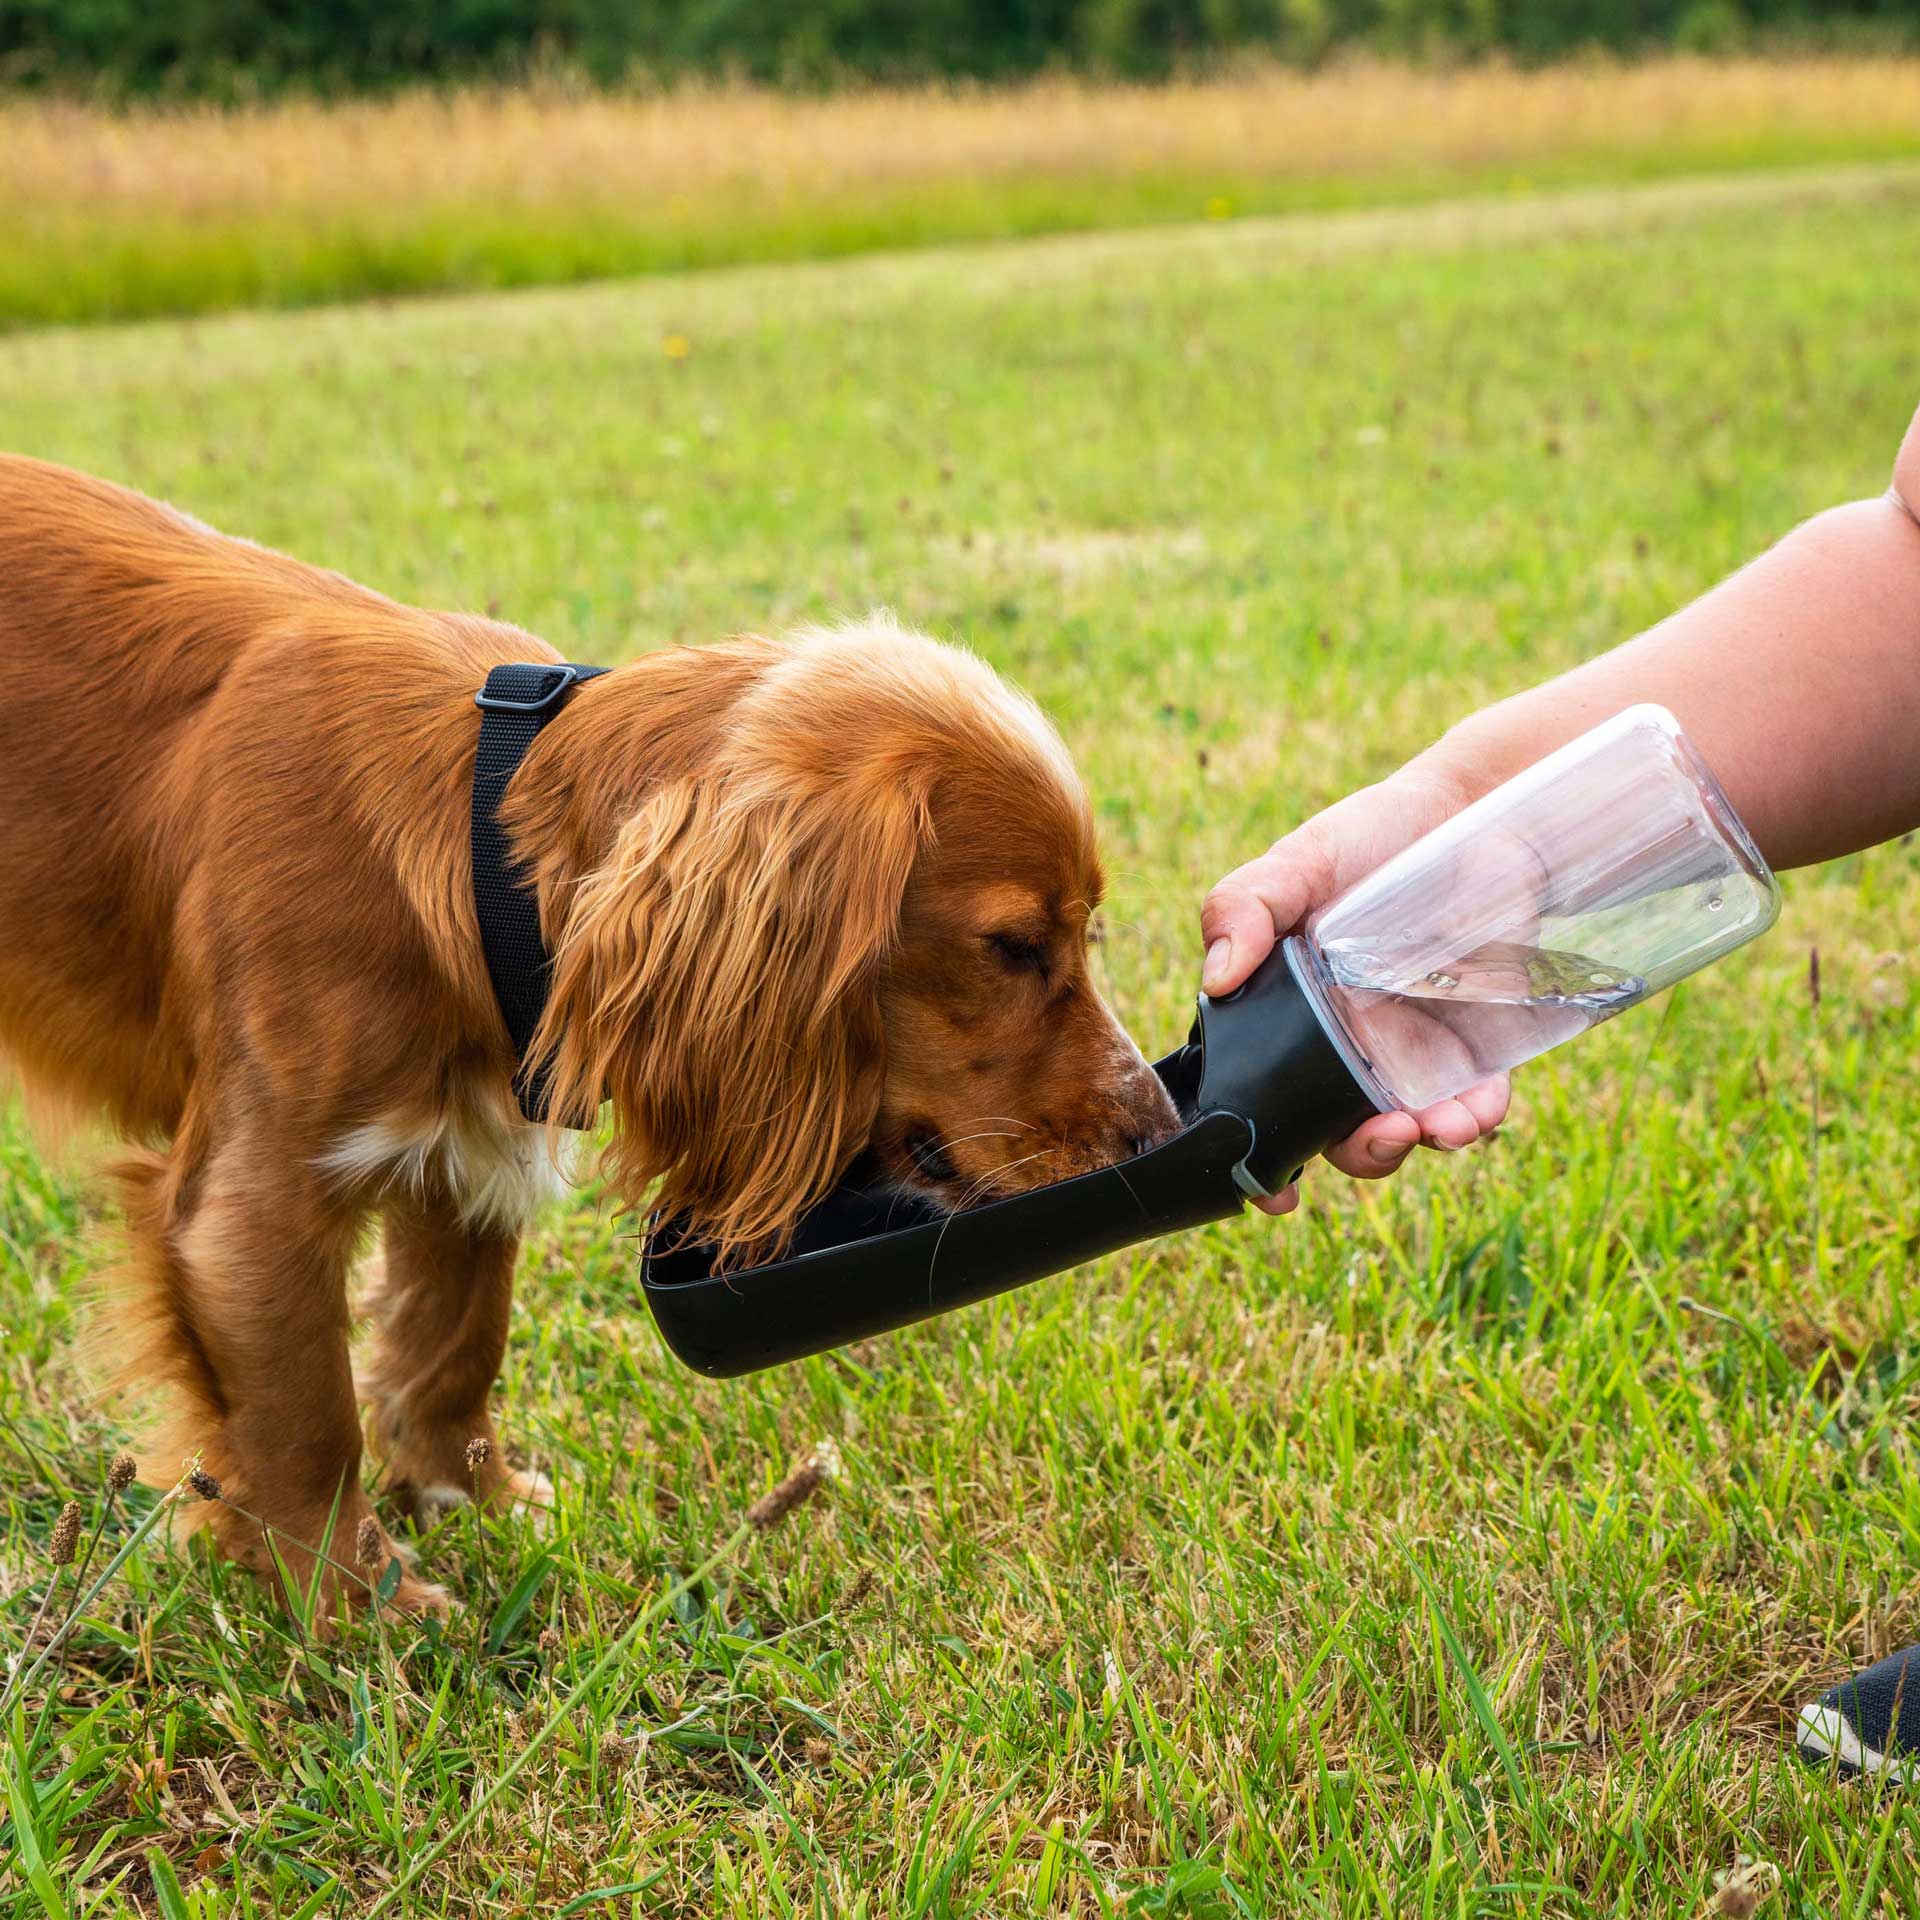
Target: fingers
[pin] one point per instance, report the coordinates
(1254, 905)
(1488, 1102)
(1381, 1145)
(1449, 1125)
(1238, 927)
(1272, 895)
(1377, 1148)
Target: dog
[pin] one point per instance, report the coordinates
(806, 900)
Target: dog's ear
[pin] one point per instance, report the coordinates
(717, 979)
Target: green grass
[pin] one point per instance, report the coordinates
(1460, 1546)
(78, 263)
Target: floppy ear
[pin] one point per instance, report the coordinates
(717, 978)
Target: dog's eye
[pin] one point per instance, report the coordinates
(1019, 952)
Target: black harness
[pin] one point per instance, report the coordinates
(515, 704)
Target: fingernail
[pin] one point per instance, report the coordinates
(1442, 1146)
(1215, 969)
(1388, 1153)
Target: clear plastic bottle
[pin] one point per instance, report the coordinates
(1604, 873)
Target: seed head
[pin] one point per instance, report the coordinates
(1745, 1888)
(204, 1484)
(795, 1490)
(616, 1753)
(550, 1642)
(479, 1452)
(370, 1544)
(66, 1535)
(120, 1474)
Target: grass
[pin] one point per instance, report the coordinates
(119, 216)
(1461, 1546)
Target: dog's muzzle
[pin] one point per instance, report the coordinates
(1260, 1089)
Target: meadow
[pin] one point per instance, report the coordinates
(113, 214)
(1462, 1545)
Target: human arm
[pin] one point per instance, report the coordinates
(1798, 678)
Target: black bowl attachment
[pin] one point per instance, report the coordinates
(1260, 1088)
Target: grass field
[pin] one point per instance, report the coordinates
(1460, 1546)
(111, 215)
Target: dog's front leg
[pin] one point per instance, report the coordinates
(440, 1305)
(250, 1252)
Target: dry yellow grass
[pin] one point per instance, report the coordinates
(542, 148)
(181, 209)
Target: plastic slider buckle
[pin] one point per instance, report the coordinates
(563, 678)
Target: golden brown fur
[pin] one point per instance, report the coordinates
(805, 898)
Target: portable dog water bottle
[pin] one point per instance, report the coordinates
(1608, 871)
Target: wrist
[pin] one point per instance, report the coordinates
(1444, 778)
(1473, 757)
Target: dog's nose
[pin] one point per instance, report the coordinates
(1154, 1121)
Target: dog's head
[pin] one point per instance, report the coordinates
(863, 922)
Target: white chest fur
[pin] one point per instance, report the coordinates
(494, 1166)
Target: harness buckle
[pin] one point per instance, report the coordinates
(564, 677)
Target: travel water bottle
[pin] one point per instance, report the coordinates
(1607, 871)
(1610, 870)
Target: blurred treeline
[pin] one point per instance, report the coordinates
(237, 48)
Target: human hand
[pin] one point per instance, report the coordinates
(1259, 903)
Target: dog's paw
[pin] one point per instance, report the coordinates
(432, 1503)
(528, 1493)
(523, 1492)
(421, 1599)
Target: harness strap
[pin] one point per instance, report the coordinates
(516, 702)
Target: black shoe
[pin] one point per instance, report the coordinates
(1869, 1724)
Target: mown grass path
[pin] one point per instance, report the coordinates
(176, 210)
(1460, 1546)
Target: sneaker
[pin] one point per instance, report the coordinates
(1869, 1724)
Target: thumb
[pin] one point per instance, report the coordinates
(1243, 916)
